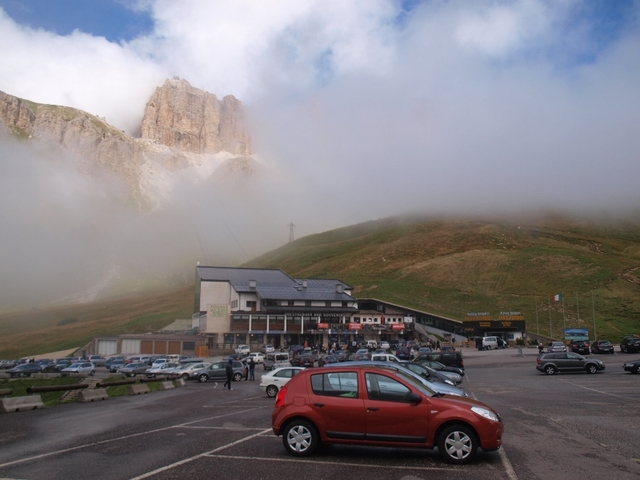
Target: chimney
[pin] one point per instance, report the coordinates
(252, 284)
(304, 284)
(339, 288)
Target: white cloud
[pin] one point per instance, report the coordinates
(365, 111)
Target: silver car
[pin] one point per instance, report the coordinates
(442, 388)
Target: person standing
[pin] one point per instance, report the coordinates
(229, 372)
(252, 367)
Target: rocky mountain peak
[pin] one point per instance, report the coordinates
(187, 118)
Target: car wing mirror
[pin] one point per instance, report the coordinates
(413, 398)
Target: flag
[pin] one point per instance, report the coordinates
(557, 298)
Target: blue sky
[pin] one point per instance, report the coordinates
(114, 20)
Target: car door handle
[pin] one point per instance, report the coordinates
(318, 404)
(372, 409)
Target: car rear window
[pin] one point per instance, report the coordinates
(336, 384)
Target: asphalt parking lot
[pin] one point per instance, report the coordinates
(566, 425)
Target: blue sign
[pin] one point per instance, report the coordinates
(576, 334)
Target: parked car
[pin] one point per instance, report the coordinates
(384, 345)
(217, 371)
(633, 367)
(136, 359)
(110, 360)
(82, 368)
(429, 373)
(602, 346)
(163, 368)
(275, 360)
(267, 349)
(185, 370)
(258, 357)
(97, 360)
(304, 360)
(630, 344)
(7, 364)
(392, 409)
(24, 370)
(553, 362)
(556, 347)
(133, 369)
(243, 349)
(580, 346)
(273, 381)
(327, 359)
(439, 367)
(450, 359)
(56, 366)
(115, 366)
(403, 353)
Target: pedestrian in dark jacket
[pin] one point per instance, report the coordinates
(252, 367)
(229, 372)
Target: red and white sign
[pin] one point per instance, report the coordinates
(323, 325)
(397, 326)
(355, 326)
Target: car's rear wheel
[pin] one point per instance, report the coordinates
(638, 369)
(550, 370)
(591, 368)
(272, 391)
(300, 438)
(237, 377)
(185, 376)
(457, 444)
(203, 378)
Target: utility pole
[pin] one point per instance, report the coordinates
(291, 226)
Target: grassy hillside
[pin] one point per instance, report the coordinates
(457, 266)
(449, 267)
(45, 330)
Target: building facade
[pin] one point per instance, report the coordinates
(265, 306)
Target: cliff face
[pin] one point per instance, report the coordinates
(182, 127)
(183, 117)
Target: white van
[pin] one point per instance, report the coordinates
(276, 360)
(490, 343)
(371, 344)
(384, 357)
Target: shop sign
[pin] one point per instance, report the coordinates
(323, 325)
(355, 326)
(397, 326)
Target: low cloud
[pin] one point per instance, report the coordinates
(359, 110)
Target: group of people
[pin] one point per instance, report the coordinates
(228, 370)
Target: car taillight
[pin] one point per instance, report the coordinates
(280, 397)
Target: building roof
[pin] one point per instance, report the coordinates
(271, 284)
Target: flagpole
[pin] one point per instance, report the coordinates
(550, 334)
(593, 309)
(578, 308)
(537, 322)
(564, 320)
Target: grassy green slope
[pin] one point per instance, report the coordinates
(457, 266)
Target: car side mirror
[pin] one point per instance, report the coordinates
(413, 398)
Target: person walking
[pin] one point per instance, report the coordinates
(252, 367)
(229, 372)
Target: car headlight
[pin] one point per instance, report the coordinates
(483, 412)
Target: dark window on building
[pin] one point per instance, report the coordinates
(251, 305)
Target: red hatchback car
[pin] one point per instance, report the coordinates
(377, 406)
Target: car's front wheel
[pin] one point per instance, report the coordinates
(185, 376)
(591, 368)
(457, 444)
(550, 370)
(638, 369)
(300, 438)
(272, 391)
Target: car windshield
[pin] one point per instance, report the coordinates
(76, 365)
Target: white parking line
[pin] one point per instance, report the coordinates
(600, 391)
(508, 468)
(324, 462)
(201, 455)
(102, 442)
